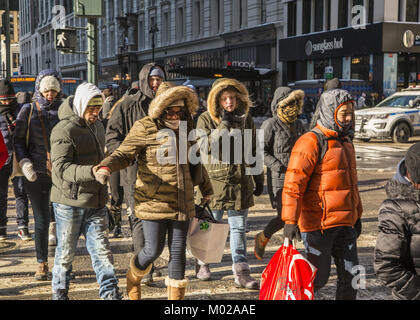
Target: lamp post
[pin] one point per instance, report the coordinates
(152, 31)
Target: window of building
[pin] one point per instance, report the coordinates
(319, 15)
(111, 9)
(263, 11)
(412, 11)
(217, 16)
(371, 11)
(291, 18)
(180, 29)
(141, 41)
(196, 18)
(165, 28)
(360, 67)
(15, 60)
(319, 68)
(343, 12)
(328, 11)
(306, 16)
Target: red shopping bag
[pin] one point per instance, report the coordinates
(288, 276)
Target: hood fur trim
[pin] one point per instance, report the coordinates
(167, 97)
(397, 190)
(297, 95)
(218, 86)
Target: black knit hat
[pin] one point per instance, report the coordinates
(412, 162)
(6, 90)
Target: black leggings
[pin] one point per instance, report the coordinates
(276, 223)
(155, 236)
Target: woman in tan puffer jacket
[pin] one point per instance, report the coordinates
(164, 195)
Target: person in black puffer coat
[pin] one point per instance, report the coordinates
(397, 251)
(32, 157)
(280, 134)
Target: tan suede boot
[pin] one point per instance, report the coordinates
(176, 288)
(134, 276)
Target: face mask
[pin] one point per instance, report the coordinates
(288, 114)
(172, 124)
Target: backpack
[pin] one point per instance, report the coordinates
(322, 142)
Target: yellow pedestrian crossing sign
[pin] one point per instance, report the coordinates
(65, 39)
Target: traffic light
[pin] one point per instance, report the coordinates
(65, 39)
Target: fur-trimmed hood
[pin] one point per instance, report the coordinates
(218, 86)
(295, 95)
(167, 97)
(399, 187)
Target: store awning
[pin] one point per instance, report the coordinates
(239, 74)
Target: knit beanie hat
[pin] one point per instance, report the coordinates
(6, 90)
(49, 83)
(156, 71)
(412, 162)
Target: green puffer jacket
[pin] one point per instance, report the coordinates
(233, 187)
(75, 149)
(162, 190)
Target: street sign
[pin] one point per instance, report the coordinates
(65, 39)
(89, 8)
(13, 5)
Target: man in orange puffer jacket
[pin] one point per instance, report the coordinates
(321, 198)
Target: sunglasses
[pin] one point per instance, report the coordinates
(180, 114)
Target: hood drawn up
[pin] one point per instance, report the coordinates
(82, 96)
(38, 95)
(143, 79)
(218, 86)
(295, 95)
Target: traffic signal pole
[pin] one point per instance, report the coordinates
(7, 31)
(92, 60)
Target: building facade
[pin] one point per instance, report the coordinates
(377, 41)
(13, 20)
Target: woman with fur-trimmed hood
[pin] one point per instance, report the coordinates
(228, 107)
(280, 134)
(164, 193)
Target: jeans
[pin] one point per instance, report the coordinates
(276, 223)
(20, 195)
(71, 222)
(155, 235)
(237, 224)
(339, 243)
(39, 195)
(136, 225)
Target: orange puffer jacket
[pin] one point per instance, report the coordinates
(322, 195)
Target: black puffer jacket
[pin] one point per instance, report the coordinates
(397, 252)
(279, 140)
(133, 108)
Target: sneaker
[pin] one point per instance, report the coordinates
(3, 233)
(24, 234)
(42, 272)
(202, 271)
(52, 239)
(260, 244)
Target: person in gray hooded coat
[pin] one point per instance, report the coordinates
(77, 144)
(280, 134)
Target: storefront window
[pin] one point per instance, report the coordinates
(360, 67)
(407, 70)
(319, 68)
(412, 11)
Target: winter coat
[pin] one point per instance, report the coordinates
(162, 190)
(397, 251)
(233, 187)
(35, 150)
(76, 147)
(279, 139)
(124, 116)
(7, 127)
(4, 155)
(322, 194)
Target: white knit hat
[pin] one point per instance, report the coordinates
(49, 83)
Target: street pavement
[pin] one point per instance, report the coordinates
(376, 161)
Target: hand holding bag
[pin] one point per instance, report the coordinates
(206, 238)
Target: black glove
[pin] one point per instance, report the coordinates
(227, 116)
(259, 188)
(291, 231)
(358, 227)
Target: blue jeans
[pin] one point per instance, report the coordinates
(340, 244)
(71, 222)
(237, 224)
(155, 235)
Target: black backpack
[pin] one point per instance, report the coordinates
(322, 142)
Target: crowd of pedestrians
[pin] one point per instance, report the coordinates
(61, 156)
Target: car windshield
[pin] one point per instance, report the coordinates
(400, 101)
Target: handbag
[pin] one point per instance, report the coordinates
(196, 172)
(44, 134)
(206, 238)
(16, 169)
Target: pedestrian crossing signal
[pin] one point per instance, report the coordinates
(65, 39)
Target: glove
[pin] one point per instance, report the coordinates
(204, 201)
(101, 174)
(259, 188)
(227, 117)
(28, 169)
(358, 227)
(291, 231)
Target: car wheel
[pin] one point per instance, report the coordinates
(365, 139)
(401, 133)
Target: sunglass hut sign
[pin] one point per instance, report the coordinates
(321, 47)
